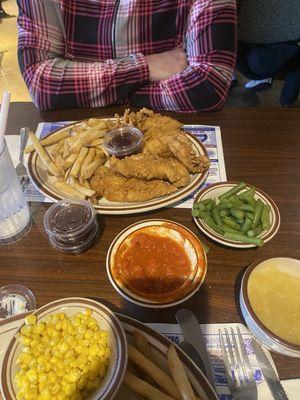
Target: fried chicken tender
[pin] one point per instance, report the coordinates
(148, 167)
(115, 187)
(175, 144)
(158, 124)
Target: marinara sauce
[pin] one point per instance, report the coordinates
(152, 264)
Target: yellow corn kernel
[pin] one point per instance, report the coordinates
(26, 330)
(76, 396)
(64, 347)
(30, 319)
(32, 375)
(70, 389)
(25, 340)
(62, 316)
(90, 384)
(55, 388)
(45, 395)
(39, 328)
(82, 382)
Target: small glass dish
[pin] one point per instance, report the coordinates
(15, 299)
(122, 142)
(71, 225)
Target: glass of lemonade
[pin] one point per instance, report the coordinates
(15, 219)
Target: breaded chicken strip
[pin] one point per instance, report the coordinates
(156, 124)
(178, 145)
(115, 187)
(147, 167)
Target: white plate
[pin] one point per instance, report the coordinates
(37, 172)
(215, 190)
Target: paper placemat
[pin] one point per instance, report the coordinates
(210, 136)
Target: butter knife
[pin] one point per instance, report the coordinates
(193, 334)
(271, 378)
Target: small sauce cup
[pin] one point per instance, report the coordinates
(71, 225)
(122, 142)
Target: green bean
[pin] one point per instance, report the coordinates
(240, 221)
(224, 213)
(243, 238)
(237, 213)
(255, 231)
(248, 193)
(246, 225)
(200, 206)
(227, 228)
(250, 215)
(231, 222)
(200, 214)
(265, 217)
(211, 223)
(235, 200)
(257, 212)
(251, 201)
(234, 190)
(216, 216)
(210, 205)
(224, 205)
(207, 201)
(245, 207)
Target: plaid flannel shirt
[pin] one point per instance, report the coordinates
(91, 53)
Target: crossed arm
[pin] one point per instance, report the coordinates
(197, 79)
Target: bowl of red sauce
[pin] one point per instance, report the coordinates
(156, 263)
(123, 142)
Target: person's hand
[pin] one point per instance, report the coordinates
(164, 65)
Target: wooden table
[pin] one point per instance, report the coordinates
(261, 146)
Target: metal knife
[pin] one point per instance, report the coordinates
(190, 350)
(271, 378)
(193, 334)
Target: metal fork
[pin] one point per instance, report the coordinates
(20, 168)
(237, 366)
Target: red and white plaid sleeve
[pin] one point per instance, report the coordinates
(54, 80)
(211, 44)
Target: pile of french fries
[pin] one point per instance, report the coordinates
(72, 156)
(144, 377)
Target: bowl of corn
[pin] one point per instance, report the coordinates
(73, 348)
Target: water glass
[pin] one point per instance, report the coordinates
(15, 218)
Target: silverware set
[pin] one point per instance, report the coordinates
(20, 168)
(236, 360)
(237, 365)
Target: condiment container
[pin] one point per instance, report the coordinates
(15, 299)
(71, 225)
(123, 142)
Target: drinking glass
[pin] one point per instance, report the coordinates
(15, 219)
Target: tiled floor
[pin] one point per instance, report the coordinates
(11, 80)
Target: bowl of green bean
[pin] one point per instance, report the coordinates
(236, 214)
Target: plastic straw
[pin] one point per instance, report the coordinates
(3, 116)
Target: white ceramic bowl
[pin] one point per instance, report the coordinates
(106, 320)
(186, 238)
(215, 190)
(256, 326)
